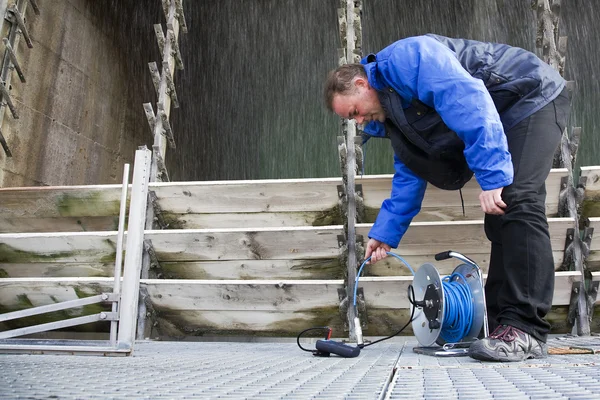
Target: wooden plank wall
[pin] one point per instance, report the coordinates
(242, 257)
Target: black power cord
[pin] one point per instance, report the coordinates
(327, 346)
(411, 299)
(320, 328)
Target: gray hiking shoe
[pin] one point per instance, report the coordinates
(508, 343)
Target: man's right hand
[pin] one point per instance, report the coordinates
(376, 250)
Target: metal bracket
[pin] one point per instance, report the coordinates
(563, 194)
(34, 5)
(586, 241)
(341, 241)
(568, 251)
(174, 46)
(149, 248)
(342, 151)
(9, 102)
(157, 216)
(160, 37)
(160, 164)
(155, 77)
(170, 85)
(178, 13)
(13, 59)
(165, 5)
(181, 16)
(19, 19)
(166, 125)
(149, 111)
(346, 302)
(4, 145)
(572, 314)
(592, 296)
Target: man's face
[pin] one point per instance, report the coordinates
(362, 105)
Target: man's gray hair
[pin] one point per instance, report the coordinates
(339, 81)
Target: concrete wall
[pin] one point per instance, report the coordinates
(81, 118)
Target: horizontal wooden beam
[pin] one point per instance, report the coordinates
(58, 247)
(233, 295)
(447, 204)
(421, 242)
(425, 239)
(227, 204)
(304, 242)
(57, 269)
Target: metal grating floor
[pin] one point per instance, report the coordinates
(202, 370)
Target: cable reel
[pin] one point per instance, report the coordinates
(449, 312)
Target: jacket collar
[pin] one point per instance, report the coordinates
(370, 63)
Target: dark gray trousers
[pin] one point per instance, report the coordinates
(520, 281)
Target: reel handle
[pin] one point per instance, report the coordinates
(444, 255)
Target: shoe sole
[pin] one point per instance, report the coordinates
(486, 357)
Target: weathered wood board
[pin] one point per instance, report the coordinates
(285, 308)
(325, 268)
(446, 205)
(59, 224)
(255, 295)
(425, 239)
(228, 204)
(56, 269)
(303, 242)
(59, 208)
(58, 247)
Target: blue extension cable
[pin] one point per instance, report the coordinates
(459, 309)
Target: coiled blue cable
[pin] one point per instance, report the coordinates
(458, 300)
(458, 310)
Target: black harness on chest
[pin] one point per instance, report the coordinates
(423, 142)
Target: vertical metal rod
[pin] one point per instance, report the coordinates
(119, 258)
(128, 306)
(13, 59)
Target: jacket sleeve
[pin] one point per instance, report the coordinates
(397, 211)
(424, 68)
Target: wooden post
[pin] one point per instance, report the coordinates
(350, 36)
(553, 48)
(163, 82)
(159, 122)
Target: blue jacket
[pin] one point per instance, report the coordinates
(458, 78)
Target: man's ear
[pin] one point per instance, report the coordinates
(361, 82)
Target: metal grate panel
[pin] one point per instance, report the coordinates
(200, 370)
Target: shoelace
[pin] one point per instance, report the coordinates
(505, 333)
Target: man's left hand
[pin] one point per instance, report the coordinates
(491, 201)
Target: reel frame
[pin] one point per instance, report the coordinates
(429, 299)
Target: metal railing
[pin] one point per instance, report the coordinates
(123, 314)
